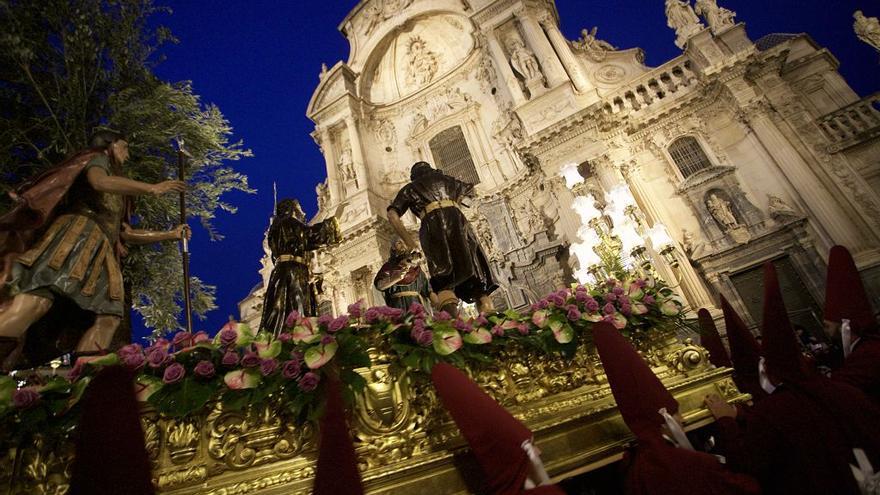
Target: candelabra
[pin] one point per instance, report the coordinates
(614, 238)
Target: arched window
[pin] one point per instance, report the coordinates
(453, 158)
(688, 155)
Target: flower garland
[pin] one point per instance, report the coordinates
(238, 367)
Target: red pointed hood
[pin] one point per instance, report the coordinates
(779, 344)
(637, 390)
(337, 470)
(745, 352)
(845, 296)
(710, 339)
(495, 437)
(110, 451)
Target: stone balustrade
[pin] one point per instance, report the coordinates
(651, 88)
(852, 124)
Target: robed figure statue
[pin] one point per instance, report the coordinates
(456, 262)
(401, 279)
(61, 246)
(291, 239)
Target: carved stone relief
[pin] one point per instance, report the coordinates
(385, 133)
(422, 63)
(381, 10)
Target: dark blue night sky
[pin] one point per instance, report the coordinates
(259, 61)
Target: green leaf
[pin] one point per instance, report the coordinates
(181, 399)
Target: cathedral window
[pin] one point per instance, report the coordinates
(688, 156)
(452, 155)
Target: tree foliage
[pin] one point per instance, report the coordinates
(70, 66)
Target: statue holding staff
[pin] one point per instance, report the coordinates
(291, 239)
(62, 243)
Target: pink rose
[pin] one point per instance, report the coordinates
(284, 337)
(523, 328)
(617, 290)
(173, 373)
(250, 360)
(24, 398)
(498, 331)
(200, 337)
(157, 357)
(228, 336)
(309, 382)
(204, 369)
(337, 324)
(592, 305)
(327, 339)
(181, 339)
(573, 313)
(442, 316)
(462, 326)
(268, 366)
(132, 356)
(291, 369)
(325, 320)
(372, 315)
(230, 358)
(610, 297)
(649, 299)
(356, 309)
(417, 310)
(609, 309)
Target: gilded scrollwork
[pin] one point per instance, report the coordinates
(255, 436)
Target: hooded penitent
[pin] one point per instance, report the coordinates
(847, 303)
(745, 352)
(498, 441)
(337, 470)
(779, 345)
(656, 466)
(800, 438)
(110, 454)
(710, 339)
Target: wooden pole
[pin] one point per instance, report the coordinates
(187, 299)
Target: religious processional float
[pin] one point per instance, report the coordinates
(237, 412)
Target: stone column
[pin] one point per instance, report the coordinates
(695, 291)
(569, 62)
(822, 204)
(503, 66)
(538, 43)
(357, 153)
(326, 144)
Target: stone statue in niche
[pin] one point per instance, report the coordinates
(717, 17)
(322, 190)
(484, 234)
(680, 16)
(346, 164)
(422, 63)
(529, 219)
(721, 212)
(779, 209)
(867, 29)
(523, 61)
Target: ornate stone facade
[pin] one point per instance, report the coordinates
(769, 129)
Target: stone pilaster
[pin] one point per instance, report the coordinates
(538, 43)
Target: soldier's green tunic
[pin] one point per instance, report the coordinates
(76, 256)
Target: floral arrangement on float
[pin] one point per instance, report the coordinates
(238, 367)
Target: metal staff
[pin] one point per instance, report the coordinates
(187, 300)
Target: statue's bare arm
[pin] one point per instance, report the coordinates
(103, 182)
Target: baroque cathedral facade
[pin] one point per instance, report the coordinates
(747, 151)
